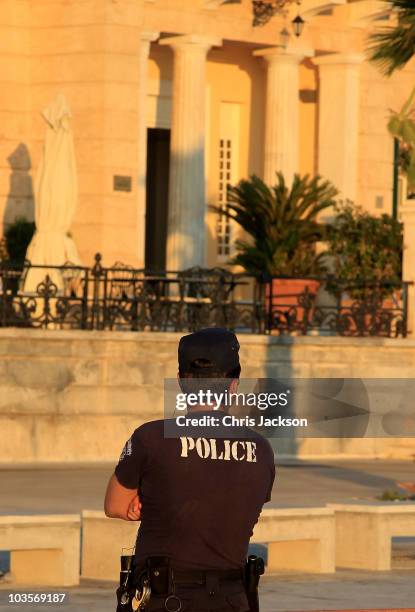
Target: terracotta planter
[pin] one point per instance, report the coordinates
(291, 303)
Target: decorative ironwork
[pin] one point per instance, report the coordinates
(264, 10)
(125, 298)
(379, 310)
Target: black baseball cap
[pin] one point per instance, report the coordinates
(216, 345)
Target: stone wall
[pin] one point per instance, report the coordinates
(69, 396)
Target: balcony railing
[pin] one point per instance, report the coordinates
(125, 298)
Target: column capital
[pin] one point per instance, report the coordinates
(284, 54)
(192, 41)
(339, 59)
(149, 36)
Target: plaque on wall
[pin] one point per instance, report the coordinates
(122, 183)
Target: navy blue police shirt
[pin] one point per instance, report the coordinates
(201, 496)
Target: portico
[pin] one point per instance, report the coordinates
(303, 114)
(215, 137)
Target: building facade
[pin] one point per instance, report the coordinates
(174, 99)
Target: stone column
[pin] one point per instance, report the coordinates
(282, 111)
(339, 89)
(146, 38)
(407, 216)
(187, 201)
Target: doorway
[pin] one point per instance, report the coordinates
(158, 164)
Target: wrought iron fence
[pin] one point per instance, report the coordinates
(125, 298)
(330, 306)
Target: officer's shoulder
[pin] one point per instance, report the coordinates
(148, 429)
(263, 442)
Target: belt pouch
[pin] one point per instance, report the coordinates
(159, 573)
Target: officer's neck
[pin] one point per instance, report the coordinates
(203, 408)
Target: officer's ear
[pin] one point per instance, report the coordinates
(233, 387)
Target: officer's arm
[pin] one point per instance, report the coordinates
(121, 502)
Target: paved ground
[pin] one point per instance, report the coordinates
(56, 490)
(298, 483)
(345, 590)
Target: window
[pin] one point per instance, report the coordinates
(224, 225)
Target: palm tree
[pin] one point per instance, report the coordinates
(393, 46)
(281, 223)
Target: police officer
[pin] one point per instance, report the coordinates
(197, 497)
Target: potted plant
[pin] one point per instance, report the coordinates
(365, 250)
(282, 228)
(366, 258)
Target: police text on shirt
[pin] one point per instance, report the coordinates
(218, 449)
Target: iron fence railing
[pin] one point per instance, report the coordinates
(125, 298)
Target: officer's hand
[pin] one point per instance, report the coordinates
(134, 509)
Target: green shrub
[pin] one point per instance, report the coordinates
(365, 248)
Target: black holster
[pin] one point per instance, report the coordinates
(155, 570)
(126, 590)
(254, 568)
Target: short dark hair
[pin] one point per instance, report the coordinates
(191, 380)
(204, 368)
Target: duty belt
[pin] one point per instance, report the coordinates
(157, 577)
(200, 577)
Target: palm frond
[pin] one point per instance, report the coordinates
(280, 223)
(392, 47)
